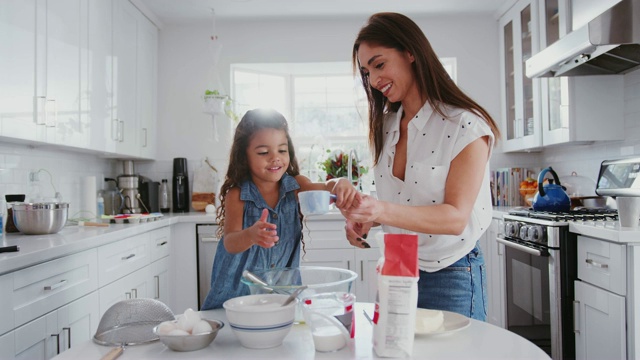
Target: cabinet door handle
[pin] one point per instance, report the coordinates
(41, 110)
(596, 264)
(157, 279)
(163, 243)
(57, 336)
(209, 239)
(348, 265)
(56, 285)
(52, 106)
(144, 139)
(127, 295)
(68, 330)
(121, 131)
(576, 316)
(128, 256)
(134, 293)
(361, 270)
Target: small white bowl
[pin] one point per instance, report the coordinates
(190, 342)
(259, 321)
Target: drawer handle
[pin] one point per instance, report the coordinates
(576, 317)
(57, 336)
(69, 336)
(163, 243)
(128, 256)
(209, 239)
(597, 264)
(56, 285)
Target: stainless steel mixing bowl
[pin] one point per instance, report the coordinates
(40, 218)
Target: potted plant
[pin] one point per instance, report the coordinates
(336, 164)
(218, 104)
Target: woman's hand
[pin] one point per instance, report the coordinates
(364, 209)
(346, 194)
(357, 233)
(263, 233)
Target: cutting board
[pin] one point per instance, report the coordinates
(205, 186)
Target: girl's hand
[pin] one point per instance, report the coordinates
(263, 233)
(365, 209)
(357, 233)
(346, 194)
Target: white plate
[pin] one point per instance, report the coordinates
(452, 322)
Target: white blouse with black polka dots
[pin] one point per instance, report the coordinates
(433, 142)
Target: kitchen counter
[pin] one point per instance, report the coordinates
(480, 340)
(36, 249)
(606, 230)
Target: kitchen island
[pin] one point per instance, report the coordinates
(480, 340)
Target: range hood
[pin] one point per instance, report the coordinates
(608, 44)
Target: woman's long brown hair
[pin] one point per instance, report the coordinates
(238, 170)
(396, 31)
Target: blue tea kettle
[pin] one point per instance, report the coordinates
(551, 197)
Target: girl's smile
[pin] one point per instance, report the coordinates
(268, 155)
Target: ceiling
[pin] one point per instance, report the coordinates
(188, 11)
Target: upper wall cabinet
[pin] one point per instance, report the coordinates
(147, 72)
(80, 74)
(578, 109)
(17, 75)
(520, 95)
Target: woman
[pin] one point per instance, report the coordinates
(431, 146)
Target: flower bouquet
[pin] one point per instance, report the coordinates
(336, 166)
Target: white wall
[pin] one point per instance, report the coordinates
(186, 59)
(586, 159)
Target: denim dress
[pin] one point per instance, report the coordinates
(227, 268)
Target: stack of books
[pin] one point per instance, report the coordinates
(505, 185)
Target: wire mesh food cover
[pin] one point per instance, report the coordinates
(131, 322)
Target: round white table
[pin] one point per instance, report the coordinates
(478, 341)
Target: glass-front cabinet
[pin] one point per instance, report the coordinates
(520, 95)
(599, 97)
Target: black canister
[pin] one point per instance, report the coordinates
(180, 185)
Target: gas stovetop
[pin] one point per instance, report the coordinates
(583, 214)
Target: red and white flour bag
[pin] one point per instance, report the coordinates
(394, 318)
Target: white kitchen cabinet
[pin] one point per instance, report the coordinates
(17, 75)
(521, 108)
(96, 77)
(573, 108)
(599, 323)
(120, 258)
(160, 281)
(54, 332)
(125, 59)
(147, 69)
(495, 269)
(131, 286)
(366, 262)
(58, 68)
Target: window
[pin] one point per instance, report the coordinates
(325, 106)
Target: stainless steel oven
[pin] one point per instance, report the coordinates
(541, 257)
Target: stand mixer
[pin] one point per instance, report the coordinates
(128, 184)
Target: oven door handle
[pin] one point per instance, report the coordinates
(528, 250)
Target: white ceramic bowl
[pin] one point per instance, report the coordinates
(259, 321)
(190, 342)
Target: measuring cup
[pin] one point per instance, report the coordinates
(315, 202)
(331, 319)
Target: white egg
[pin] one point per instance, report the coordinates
(201, 327)
(178, 332)
(188, 320)
(166, 327)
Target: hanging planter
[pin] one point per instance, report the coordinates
(214, 104)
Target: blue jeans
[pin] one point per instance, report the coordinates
(459, 288)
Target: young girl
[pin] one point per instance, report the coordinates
(258, 217)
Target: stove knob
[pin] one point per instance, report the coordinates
(524, 232)
(536, 233)
(512, 229)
